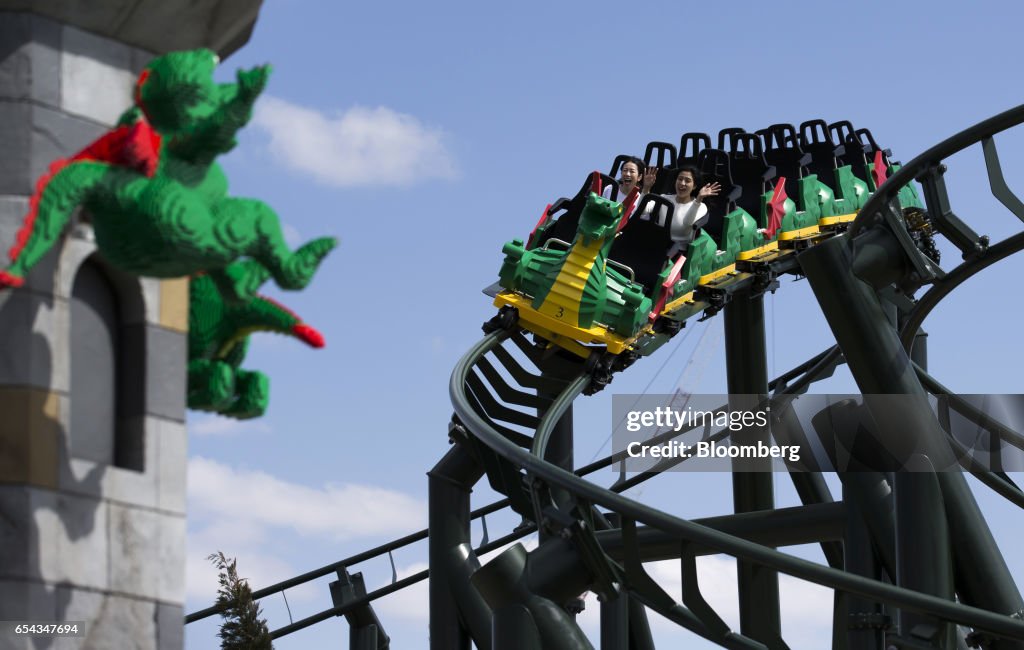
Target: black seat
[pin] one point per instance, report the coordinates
(727, 138)
(782, 150)
(751, 172)
(825, 153)
(566, 212)
(842, 132)
(644, 243)
(714, 166)
(869, 145)
(860, 148)
(690, 146)
(617, 164)
(871, 150)
(662, 155)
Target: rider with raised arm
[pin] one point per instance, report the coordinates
(689, 209)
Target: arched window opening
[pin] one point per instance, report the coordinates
(104, 373)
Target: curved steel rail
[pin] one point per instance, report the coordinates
(802, 377)
(691, 532)
(954, 279)
(932, 157)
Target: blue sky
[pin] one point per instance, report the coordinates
(426, 135)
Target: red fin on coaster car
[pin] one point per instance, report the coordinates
(878, 170)
(776, 208)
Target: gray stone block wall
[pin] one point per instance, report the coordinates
(81, 539)
(155, 25)
(107, 537)
(60, 87)
(30, 69)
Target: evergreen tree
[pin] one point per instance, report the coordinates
(242, 629)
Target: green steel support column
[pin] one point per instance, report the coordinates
(871, 346)
(560, 445)
(363, 638)
(365, 631)
(560, 452)
(615, 623)
(928, 567)
(881, 367)
(981, 576)
(935, 519)
(625, 617)
(747, 371)
(864, 618)
(870, 493)
(810, 485)
(454, 603)
(640, 637)
(866, 491)
(524, 591)
(970, 579)
(513, 629)
(919, 353)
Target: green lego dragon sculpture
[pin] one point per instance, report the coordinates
(157, 198)
(596, 293)
(218, 337)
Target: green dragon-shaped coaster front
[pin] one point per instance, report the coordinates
(157, 199)
(575, 284)
(218, 337)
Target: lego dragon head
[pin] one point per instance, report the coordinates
(600, 218)
(177, 89)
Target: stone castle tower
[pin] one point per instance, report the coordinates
(92, 360)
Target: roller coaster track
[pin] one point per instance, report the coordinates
(931, 577)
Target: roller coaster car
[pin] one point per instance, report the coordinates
(592, 275)
(597, 275)
(566, 290)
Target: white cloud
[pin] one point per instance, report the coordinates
(215, 425)
(359, 147)
(806, 608)
(258, 569)
(241, 512)
(335, 512)
(244, 541)
(412, 603)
